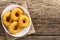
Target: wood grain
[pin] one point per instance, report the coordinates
(45, 16)
(40, 38)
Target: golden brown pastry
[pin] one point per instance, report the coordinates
(6, 19)
(16, 13)
(23, 21)
(13, 28)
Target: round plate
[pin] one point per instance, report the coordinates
(23, 31)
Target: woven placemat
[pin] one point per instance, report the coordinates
(24, 4)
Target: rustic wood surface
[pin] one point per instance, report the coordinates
(45, 16)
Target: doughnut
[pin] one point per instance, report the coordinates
(23, 21)
(15, 20)
(16, 13)
(13, 28)
(6, 18)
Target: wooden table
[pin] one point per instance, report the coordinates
(45, 15)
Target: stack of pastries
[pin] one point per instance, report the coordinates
(15, 20)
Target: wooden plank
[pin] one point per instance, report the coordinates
(46, 16)
(40, 38)
(2, 6)
(3, 38)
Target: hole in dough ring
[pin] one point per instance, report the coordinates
(6, 19)
(12, 26)
(23, 21)
(16, 13)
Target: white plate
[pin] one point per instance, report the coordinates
(23, 31)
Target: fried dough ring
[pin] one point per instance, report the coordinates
(16, 13)
(12, 26)
(23, 21)
(6, 19)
